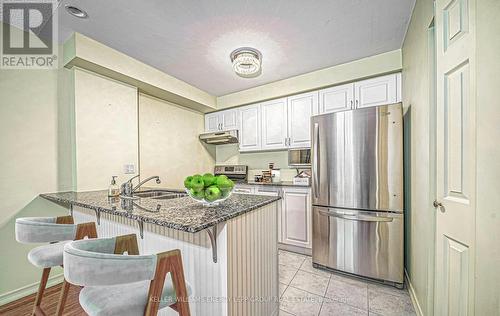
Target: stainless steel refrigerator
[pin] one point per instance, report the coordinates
(357, 166)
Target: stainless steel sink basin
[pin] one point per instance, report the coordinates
(159, 194)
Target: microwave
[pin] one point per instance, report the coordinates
(299, 157)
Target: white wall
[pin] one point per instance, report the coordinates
(169, 144)
(488, 153)
(106, 130)
(417, 101)
(417, 64)
(28, 164)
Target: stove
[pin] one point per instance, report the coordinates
(237, 173)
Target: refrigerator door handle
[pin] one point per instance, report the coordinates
(363, 218)
(315, 160)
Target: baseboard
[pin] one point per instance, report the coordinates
(413, 296)
(303, 251)
(11, 296)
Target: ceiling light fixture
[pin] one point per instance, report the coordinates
(247, 62)
(76, 12)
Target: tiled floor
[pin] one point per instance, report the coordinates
(306, 291)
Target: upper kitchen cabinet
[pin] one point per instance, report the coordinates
(376, 91)
(221, 121)
(338, 98)
(300, 109)
(212, 122)
(250, 128)
(274, 124)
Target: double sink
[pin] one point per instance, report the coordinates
(159, 194)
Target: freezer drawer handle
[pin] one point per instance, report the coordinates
(363, 218)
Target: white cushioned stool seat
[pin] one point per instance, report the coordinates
(48, 256)
(123, 299)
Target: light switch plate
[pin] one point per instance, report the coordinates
(129, 168)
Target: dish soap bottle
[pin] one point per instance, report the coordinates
(114, 189)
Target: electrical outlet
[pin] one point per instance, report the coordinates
(129, 168)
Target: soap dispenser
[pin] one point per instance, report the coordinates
(114, 189)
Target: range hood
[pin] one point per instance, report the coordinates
(220, 138)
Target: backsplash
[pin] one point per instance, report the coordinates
(256, 161)
(230, 155)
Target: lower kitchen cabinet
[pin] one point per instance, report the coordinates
(296, 227)
(294, 213)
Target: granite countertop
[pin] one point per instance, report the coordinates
(183, 213)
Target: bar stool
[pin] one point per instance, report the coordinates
(118, 284)
(57, 231)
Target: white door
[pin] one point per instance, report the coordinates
(274, 124)
(376, 91)
(296, 217)
(212, 122)
(456, 163)
(250, 124)
(300, 109)
(338, 98)
(229, 119)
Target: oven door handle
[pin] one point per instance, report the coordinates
(352, 217)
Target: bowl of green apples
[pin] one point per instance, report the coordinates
(209, 189)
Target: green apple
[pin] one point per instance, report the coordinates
(208, 179)
(197, 183)
(198, 195)
(225, 192)
(187, 182)
(224, 182)
(212, 193)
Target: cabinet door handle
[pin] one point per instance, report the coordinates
(357, 103)
(351, 104)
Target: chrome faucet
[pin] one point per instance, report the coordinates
(128, 189)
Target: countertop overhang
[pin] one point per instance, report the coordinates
(182, 214)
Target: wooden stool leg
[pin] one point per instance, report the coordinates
(62, 297)
(41, 289)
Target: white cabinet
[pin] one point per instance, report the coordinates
(296, 227)
(285, 123)
(375, 91)
(335, 99)
(274, 124)
(212, 122)
(250, 128)
(221, 121)
(300, 108)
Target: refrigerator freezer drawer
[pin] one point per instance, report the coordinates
(365, 243)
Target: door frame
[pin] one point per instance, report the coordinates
(431, 263)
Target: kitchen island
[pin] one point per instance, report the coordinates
(229, 251)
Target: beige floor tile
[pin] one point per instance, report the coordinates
(282, 288)
(283, 313)
(383, 303)
(307, 266)
(349, 279)
(286, 273)
(300, 303)
(340, 309)
(309, 282)
(354, 294)
(291, 259)
(387, 289)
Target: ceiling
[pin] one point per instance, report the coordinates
(192, 39)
